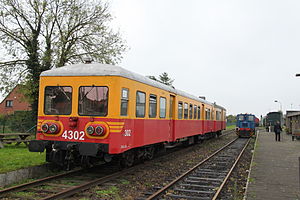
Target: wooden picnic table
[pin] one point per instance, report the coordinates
(18, 138)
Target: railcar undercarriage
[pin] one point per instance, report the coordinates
(71, 154)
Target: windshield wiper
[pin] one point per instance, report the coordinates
(86, 94)
(61, 89)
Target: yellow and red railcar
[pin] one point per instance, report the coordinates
(96, 111)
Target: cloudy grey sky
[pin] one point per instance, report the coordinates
(241, 54)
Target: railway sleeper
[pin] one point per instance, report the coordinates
(178, 196)
(199, 192)
(205, 178)
(202, 182)
(197, 186)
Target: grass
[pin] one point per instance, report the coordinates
(17, 157)
(231, 127)
(125, 182)
(25, 194)
(113, 190)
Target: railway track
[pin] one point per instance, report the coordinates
(69, 183)
(63, 185)
(205, 180)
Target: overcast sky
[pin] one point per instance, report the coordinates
(241, 54)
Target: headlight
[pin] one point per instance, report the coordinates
(53, 128)
(99, 130)
(45, 128)
(90, 130)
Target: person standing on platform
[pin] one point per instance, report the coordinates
(277, 130)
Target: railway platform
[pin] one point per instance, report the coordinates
(275, 168)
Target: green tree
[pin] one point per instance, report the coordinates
(231, 119)
(39, 35)
(165, 79)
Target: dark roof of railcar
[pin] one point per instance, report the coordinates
(97, 69)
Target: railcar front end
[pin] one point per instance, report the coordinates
(245, 125)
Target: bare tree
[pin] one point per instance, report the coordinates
(40, 34)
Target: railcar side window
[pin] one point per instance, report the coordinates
(199, 112)
(191, 111)
(152, 106)
(124, 101)
(162, 107)
(207, 113)
(58, 100)
(186, 110)
(195, 112)
(140, 104)
(180, 110)
(218, 115)
(93, 100)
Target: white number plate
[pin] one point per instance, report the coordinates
(73, 135)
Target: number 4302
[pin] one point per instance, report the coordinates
(76, 135)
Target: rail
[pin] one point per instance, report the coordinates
(208, 180)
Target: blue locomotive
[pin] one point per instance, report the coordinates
(245, 125)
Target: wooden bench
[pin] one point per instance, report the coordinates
(18, 138)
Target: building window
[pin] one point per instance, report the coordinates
(162, 107)
(180, 110)
(124, 101)
(9, 103)
(186, 110)
(152, 106)
(140, 104)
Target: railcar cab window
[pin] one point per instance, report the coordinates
(58, 100)
(199, 112)
(186, 110)
(180, 110)
(124, 101)
(250, 118)
(93, 100)
(152, 106)
(162, 107)
(140, 104)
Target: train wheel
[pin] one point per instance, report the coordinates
(149, 153)
(128, 158)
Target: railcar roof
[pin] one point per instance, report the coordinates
(97, 69)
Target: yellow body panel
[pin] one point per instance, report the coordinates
(115, 85)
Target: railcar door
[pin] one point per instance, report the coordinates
(204, 127)
(172, 117)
